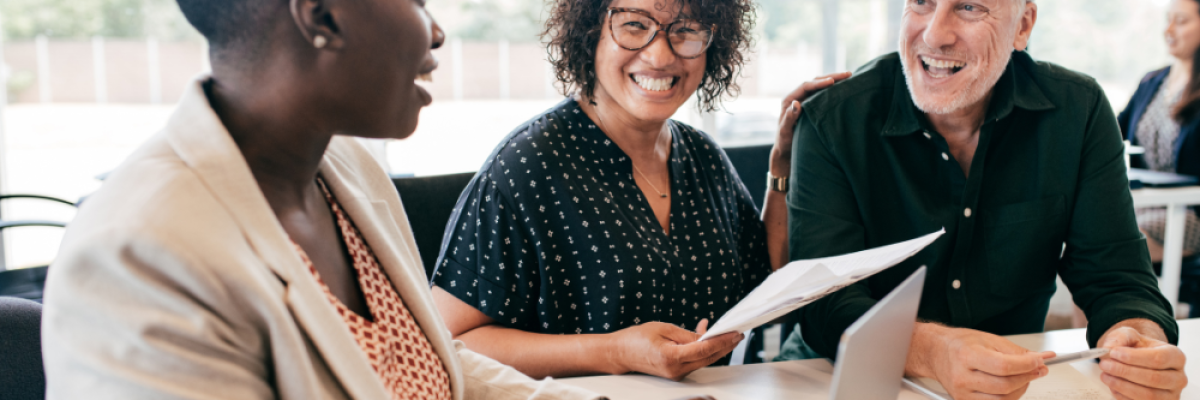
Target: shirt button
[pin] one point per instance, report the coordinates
(956, 284)
(967, 212)
(927, 135)
(945, 156)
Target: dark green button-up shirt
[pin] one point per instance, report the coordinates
(869, 170)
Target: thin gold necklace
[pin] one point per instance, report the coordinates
(639, 171)
(635, 168)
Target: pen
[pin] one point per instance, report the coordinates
(912, 385)
(1083, 355)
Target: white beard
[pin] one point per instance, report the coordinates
(974, 92)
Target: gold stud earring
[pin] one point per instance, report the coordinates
(319, 41)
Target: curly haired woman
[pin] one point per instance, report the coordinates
(601, 229)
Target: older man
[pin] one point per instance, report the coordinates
(962, 129)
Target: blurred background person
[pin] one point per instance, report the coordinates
(602, 228)
(1162, 117)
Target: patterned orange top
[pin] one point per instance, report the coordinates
(398, 350)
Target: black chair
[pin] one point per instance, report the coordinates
(21, 373)
(428, 202)
(38, 197)
(751, 163)
(27, 283)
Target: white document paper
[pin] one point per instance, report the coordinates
(805, 281)
(1063, 383)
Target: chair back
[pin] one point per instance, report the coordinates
(428, 202)
(21, 373)
(25, 283)
(751, 164)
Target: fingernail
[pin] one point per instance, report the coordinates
(791, 108)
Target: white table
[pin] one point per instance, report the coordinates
(1177, 201)
(810, 379)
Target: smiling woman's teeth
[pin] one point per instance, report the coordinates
(653, 84)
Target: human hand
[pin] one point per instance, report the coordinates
(974, 365)
(781, 154)
(1140, 367)
(668, 351)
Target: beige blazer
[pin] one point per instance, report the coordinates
(176, 281)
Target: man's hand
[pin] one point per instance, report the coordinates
(1141, 367)
(789, 112)
(668, 351)
(973, 365)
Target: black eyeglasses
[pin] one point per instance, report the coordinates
(634, 29)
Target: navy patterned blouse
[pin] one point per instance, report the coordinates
(553, 235)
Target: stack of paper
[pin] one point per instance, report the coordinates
(802, 282)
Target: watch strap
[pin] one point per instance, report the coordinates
(776, 183)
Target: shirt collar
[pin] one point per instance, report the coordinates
(1015, 89)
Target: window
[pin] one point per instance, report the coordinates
(88, 80)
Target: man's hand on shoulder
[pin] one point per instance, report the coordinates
(1142, 365)
(972, 364)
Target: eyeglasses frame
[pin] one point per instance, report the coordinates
(663, 28)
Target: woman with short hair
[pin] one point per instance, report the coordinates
(253, 249)
(603, 229)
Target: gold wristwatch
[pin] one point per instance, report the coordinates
(778, 184)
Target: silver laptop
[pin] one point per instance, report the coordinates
(871, 356)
